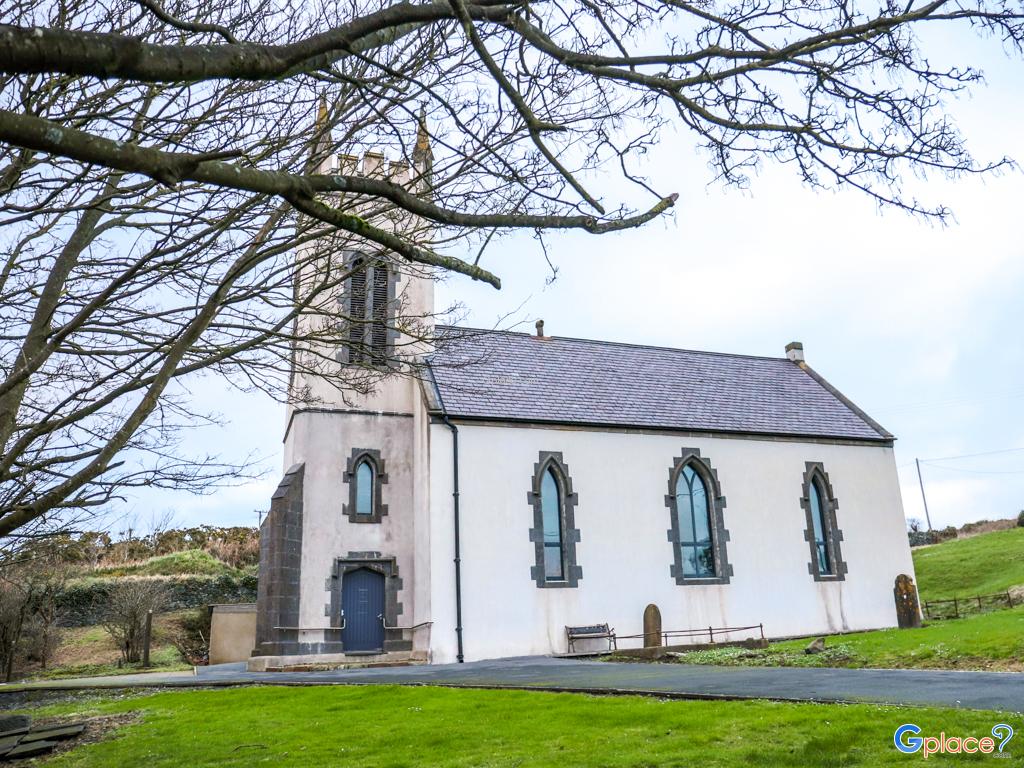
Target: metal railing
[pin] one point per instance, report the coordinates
(691, 633)
(412, 628)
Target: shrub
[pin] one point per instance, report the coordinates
(129, 602)
(1020, 519)
(40, 638)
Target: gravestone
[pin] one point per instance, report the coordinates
(908, 611)
(652, 626)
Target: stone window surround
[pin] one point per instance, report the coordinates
(570, 534)
(380, 479)
(387, 565)
(719, 534)
(833, 534)
(345, 300)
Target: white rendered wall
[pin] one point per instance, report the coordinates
(324, 442)
(621, 480)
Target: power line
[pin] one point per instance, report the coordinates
(926, 405)
(974, 455)
(977, 471)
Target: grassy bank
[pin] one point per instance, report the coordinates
(980, 565)
(988, 641)
(90, 651)
(387, 726)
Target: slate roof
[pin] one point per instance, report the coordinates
(507, 376)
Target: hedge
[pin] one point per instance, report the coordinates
(82, 602)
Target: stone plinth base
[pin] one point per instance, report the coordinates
(321, 662)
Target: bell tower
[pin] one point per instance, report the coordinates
(338, 549)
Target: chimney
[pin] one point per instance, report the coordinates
(540, 329)
(795, 351)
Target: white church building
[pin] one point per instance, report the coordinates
(530, 482)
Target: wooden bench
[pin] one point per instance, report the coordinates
(591, 632)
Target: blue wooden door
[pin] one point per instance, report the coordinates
(362, 599)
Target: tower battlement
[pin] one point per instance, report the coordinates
(372, 165)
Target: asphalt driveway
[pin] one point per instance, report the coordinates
(972, 690)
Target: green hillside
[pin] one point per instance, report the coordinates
(980, 565)
(189, 562)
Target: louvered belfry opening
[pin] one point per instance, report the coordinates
(379, 327)
(368, 312)
(356, 310)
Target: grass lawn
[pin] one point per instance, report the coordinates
(392, 726)
(980, 565)
(981, 641)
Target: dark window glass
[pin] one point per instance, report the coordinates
(820, 537)
(364, 488)
(551, 510)
(693, 508)
(357, 311)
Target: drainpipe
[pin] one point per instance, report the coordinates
(455, 506)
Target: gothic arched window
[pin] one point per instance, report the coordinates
(695, 540)
(698, 533)
(554, 533)
(822, 532)
(366, 478)
(364, 488)
(820, 527)
(551, 511)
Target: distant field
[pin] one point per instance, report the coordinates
(980, 565)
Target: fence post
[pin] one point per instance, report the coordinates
(1009, 599)
(956, 609)
(980, 608)
(711, 634)
(761, 626)
(146, 637)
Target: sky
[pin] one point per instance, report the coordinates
(918, 323)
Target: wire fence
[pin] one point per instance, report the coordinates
(956, 607)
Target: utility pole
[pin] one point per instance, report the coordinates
(923, 497)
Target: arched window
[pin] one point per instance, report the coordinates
(820, 527)
(554, 533)
(698, 533)
(822, 533)
(364, 488)
(695, 542)
(551, 510)
(366, 476)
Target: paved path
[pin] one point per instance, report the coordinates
(973, 690)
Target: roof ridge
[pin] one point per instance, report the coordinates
(631, 344)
